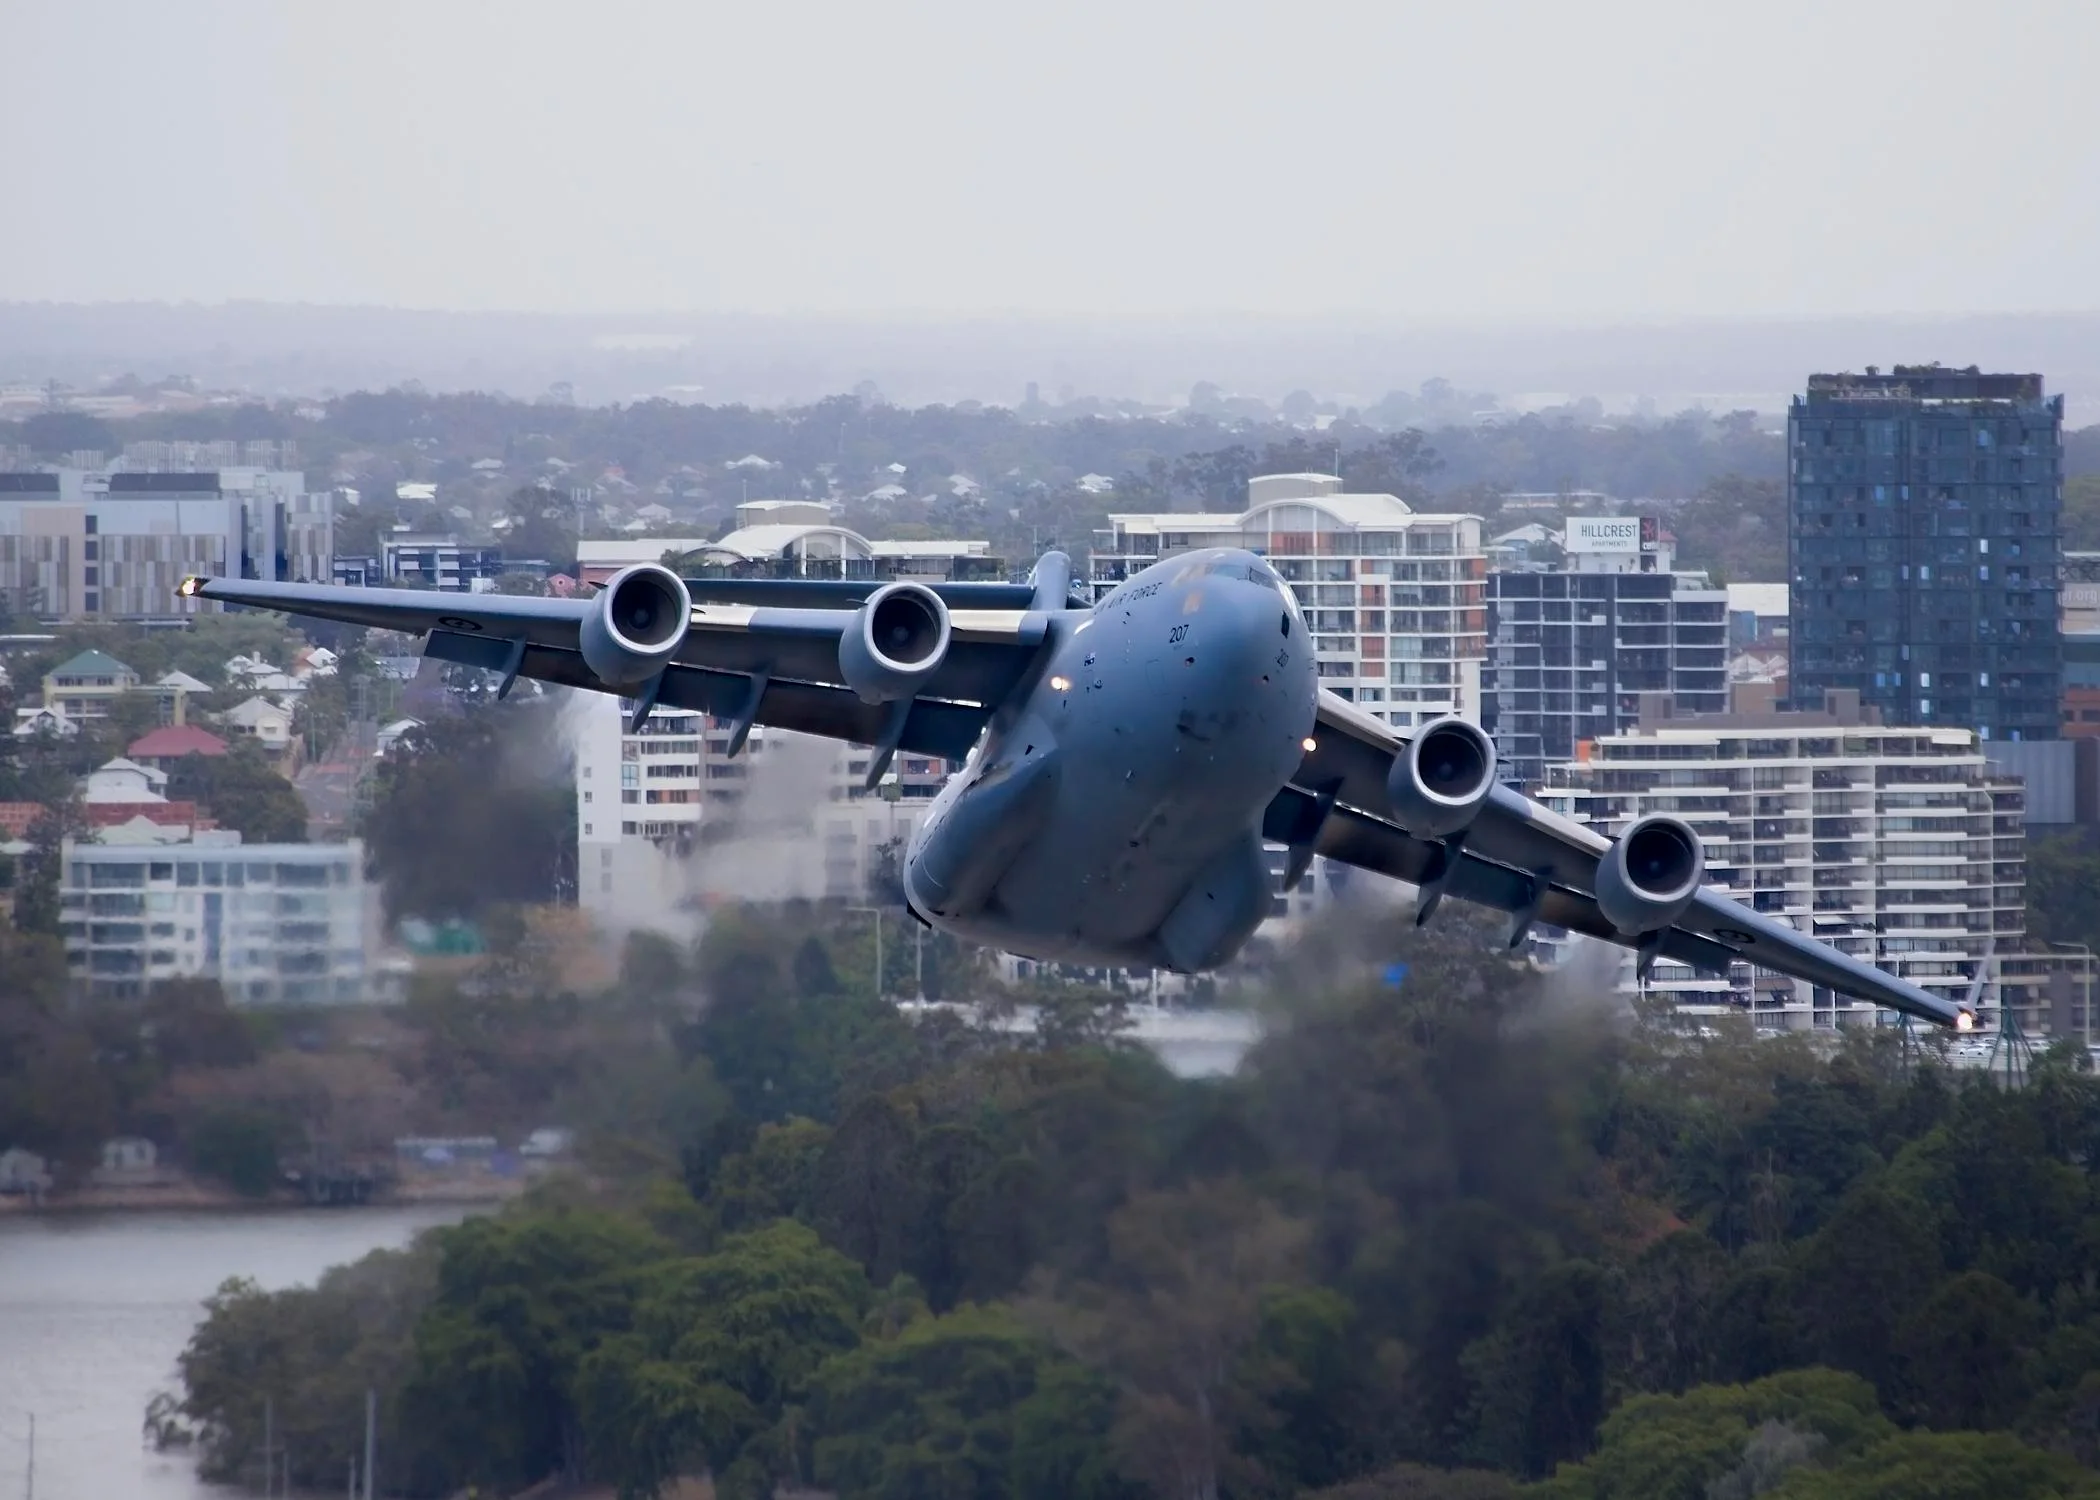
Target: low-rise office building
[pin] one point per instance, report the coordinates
(799, 539)
(78, 543)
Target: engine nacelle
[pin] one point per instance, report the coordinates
(635, 624)
(895, 643)
(1442, 778)
(1650, 875)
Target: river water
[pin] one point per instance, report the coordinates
(95, 1308)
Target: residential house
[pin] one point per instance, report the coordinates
(41, 719)
(390, 736)
(163, 747)
(175, 689)
(268, 723)
(126, 782)
(128, 1156)
(84, 687)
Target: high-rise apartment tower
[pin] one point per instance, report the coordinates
(1924, 512)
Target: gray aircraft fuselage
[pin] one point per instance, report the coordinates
(1111, 815)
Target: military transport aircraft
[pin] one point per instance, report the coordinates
(1122, 762)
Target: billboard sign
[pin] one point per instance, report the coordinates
(1604, 534)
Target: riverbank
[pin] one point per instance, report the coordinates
(177, 1194)
(96, 1309)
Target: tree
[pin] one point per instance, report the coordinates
(1675, 1447)
(237, 1146)
(1946, 1466)
(1672, 1297)
(1180, 1303)
(1735, 527)
(1416, 1482)
(243, 792)
(37, 906)
(1856, 1281)
(52, 435)
(310, 1353)
(518, 1306)
(471, 811)
(1978, 1325)
(1539, 1379)
(936, 1410)
(722, 1347)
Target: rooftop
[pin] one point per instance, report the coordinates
(1924, 383)
(93, 664)
(175, 740)
(1356, 512)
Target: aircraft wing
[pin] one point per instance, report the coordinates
(769, 665)
(1528, 860)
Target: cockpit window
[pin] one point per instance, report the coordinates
(1228, 566)
(1216, 566)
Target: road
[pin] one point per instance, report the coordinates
(328, 784)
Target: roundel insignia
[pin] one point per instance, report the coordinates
(1732, 935)
(457, 622)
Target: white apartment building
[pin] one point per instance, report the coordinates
(669, 822)
(1395, 599)
(275, 924)
(1900, 846)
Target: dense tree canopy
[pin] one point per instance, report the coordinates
(1458, 1240)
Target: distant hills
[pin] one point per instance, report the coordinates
(286, 349)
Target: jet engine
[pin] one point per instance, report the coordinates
(635, 624)
(1442, 778)
(895, 643)
(1649, 876)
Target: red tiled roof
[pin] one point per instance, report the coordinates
(175, 741)
(110, 814)
(16, 818)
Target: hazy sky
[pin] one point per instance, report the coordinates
(1462, 161)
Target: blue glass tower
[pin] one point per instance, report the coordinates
(1924, 531)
